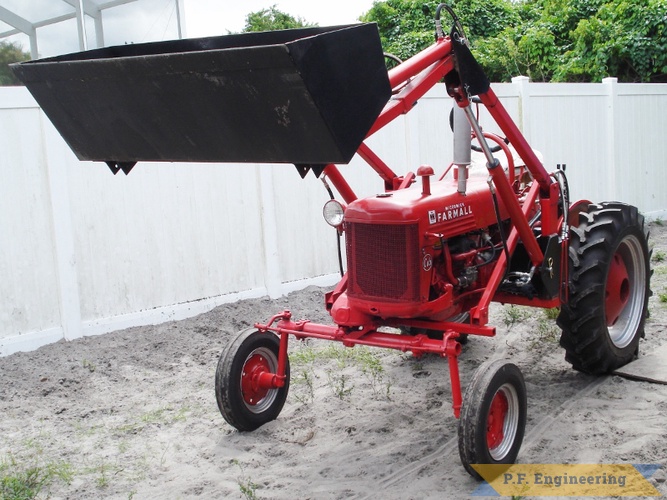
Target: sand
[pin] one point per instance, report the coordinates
(132, 414)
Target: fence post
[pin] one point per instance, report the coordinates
(613, 120)
(56, 153)
(521, 83)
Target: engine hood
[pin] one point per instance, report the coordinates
(444, 211)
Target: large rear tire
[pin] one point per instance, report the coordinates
(604, 318)
(242, 402)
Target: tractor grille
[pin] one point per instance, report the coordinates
(383, 261)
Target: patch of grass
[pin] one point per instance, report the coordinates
(338, 383)
(24, 481)
(663, 297)
(102, 480)
(658, 222)
(24, 485)
(417, 366)
(88, 430)
(103, 473)
(164, 416)
(155, 416)
(552, 313)
(371, 367)
(303, 356)
(123, 446)
(181, 415)
(343, 355)
(660, 270)
(362, 358)
(88, 365)
(246, 486)
(514, 314)
(305, 379)
(547, 331)
(163, 458)
(658, 256)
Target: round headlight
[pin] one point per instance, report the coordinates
(333, 212)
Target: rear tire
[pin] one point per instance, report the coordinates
(243, 403)
(493, 416)
(609, 288)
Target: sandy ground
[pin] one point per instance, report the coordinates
(132, 414)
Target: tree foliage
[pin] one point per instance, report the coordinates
(405, 28)
(273, 19)
(547, 40)
(10, 53)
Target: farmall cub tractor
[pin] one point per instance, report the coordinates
(426, 256)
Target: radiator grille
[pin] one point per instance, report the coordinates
(383, 261)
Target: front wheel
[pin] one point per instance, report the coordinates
(243, 401)
(493, 416)
(609, 288)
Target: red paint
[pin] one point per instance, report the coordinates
(617, 292)
(253, 369)
(495, 420)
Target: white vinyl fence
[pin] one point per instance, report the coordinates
(83, 252)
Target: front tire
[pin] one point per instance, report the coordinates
(243, 403)
(604, 318)
(493, 416)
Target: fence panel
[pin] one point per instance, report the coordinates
(28, 278)
(84, 252)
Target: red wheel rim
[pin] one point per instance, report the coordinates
(617, 293)
(254, 366)
(495, 421)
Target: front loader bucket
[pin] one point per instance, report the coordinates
(304, 96)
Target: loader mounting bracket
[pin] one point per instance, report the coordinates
(471, 74)
(117, 166)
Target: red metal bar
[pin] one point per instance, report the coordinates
(454, 349)
(550, 220)
(480, 313)
(418, 344)
(339, 182)
(508, 154)
(518, 300)
(407, 180)
(446, 171)
(386, 173)
(517, 216)
(516, 138)
(267, 380)
(417, 63)
(279, 380)
(407, 98)
(444, 326)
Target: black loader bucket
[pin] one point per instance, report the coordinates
(306, 96)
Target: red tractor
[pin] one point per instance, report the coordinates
(426, 256)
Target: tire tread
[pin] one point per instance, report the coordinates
(584, 332)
